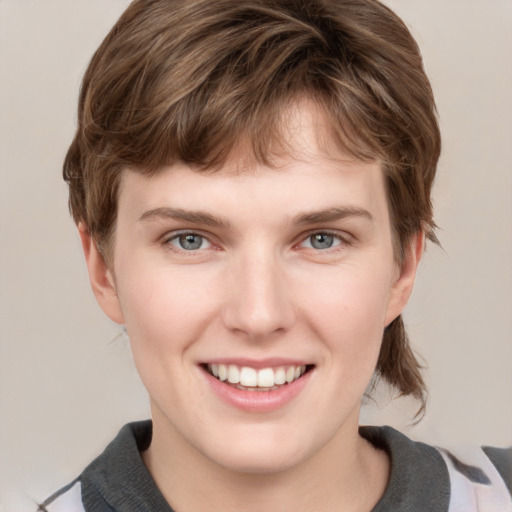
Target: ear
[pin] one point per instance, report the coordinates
(403, 284)
(101, 278)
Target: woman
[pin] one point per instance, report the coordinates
(251, 182)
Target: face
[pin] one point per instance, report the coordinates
(255, 302)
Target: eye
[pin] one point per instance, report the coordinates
(321, 241)
(190, 242)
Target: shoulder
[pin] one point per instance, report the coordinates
(412, 465)
(480, 478)
(115, 480)
(67, 499)
(502, 460)
(459, 479)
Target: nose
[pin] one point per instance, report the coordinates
(259, 302)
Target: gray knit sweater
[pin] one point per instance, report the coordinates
(118, 481)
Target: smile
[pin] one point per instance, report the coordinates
(252, 379)
(262, 387)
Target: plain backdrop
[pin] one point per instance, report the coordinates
(67, 382)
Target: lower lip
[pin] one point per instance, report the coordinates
(257, 401)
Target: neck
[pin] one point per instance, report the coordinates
(347, 474)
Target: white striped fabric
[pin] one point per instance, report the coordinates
(469, 496)
(69, 501)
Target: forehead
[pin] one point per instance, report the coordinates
(308, 172)
(304, 145)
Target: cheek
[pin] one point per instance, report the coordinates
(349, 314)
(352, 297)
(164, 313)
(164, 319)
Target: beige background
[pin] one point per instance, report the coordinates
(66, 378)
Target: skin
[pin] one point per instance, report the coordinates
(257, 288)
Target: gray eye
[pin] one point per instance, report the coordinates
(322, 240)
(190, 241)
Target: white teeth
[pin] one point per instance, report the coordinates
(233, 374)
(248, 377)
(223, 372)
(252, 378)
(280, 376)
(266, 378)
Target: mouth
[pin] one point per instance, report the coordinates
(247, 378)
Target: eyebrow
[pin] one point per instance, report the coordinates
(193, 216)
(331, 214)
(199, 217)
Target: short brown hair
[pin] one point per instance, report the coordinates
(185, 80)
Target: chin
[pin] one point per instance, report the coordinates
(259, 461)
(258, 451)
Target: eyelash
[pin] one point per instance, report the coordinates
(342, 240)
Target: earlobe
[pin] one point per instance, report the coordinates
(101, 277)
(402, 286)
